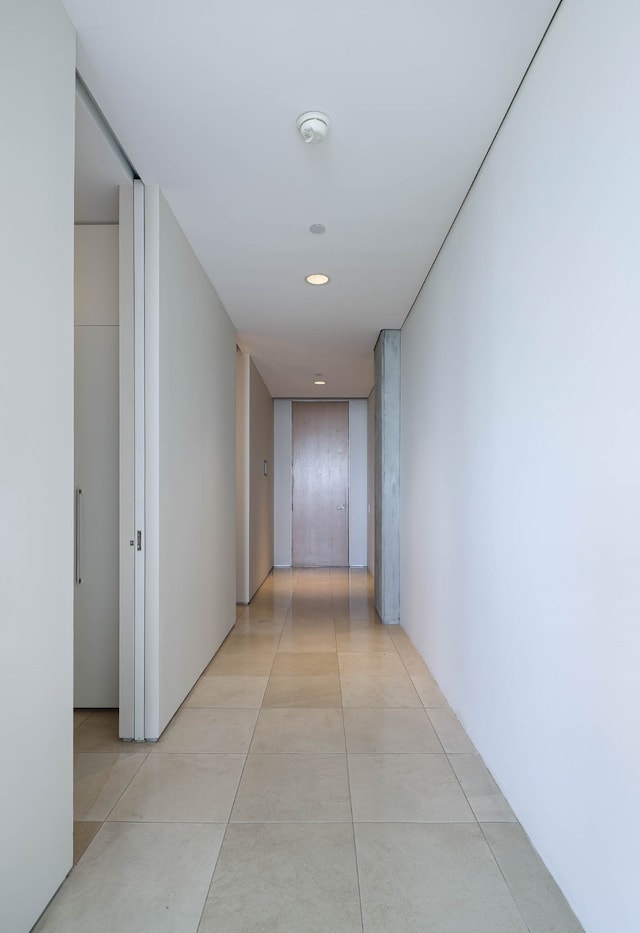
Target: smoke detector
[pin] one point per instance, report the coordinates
(313, 126)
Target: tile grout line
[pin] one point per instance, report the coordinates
(503, 876)
(346, 750)
(235, 796)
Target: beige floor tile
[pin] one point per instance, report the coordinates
(363, 615)
(258, 626)
(405, 647)
(379, 731)
(244, 664)
(406, 788)
(539, 898)
(320, 624)
(369, 639)
(356, 607)
(285, 877)
(268, 609)
(305, 642)
(429, 691)
(384, 690)
(232, 691)
(288, 860)
(236, 643)
(182, 789)
(99, 779)
(415, 664)
(83, 832)
(450, 732)
(221, 731)
(373, 663)
(297, 663)
(147, 878)
(293, 788)
(354, 601)
(316, 610)
(358, 611)
(439, 878)
(99, 733)
(79, 716)
(299, 731)
(308, 691)
(346, 624)
(481, 790)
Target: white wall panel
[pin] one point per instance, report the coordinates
(37, 102)
(260, 485)
(193, 489)
(521, 460)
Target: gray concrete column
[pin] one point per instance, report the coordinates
(387, 476)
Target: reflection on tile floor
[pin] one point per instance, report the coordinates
(314, 779)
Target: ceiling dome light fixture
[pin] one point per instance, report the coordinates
(313, 126)
(317, 228)
(317, 278)
(318, 380)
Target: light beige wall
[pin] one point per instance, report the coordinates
(260, 486)
(37, 103)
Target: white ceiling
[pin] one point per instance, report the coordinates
(204, 96)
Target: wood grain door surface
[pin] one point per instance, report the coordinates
(320, 454)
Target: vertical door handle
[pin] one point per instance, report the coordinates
(78, 567)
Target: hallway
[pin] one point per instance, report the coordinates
(313, 780)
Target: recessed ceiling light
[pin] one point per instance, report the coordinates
(319, 381)
(317, 228)
(317, 278)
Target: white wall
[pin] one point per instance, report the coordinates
(358, 491)
(242, 476)
(260, 486)
(282, 447)
(191, 481)
(521, 461)
(37, 102)
(371, 505)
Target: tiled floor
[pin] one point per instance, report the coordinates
(313, 780)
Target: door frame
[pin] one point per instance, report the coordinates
(132, 464)
(359, 491)
(342, 544)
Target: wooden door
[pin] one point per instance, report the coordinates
(320, 455)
